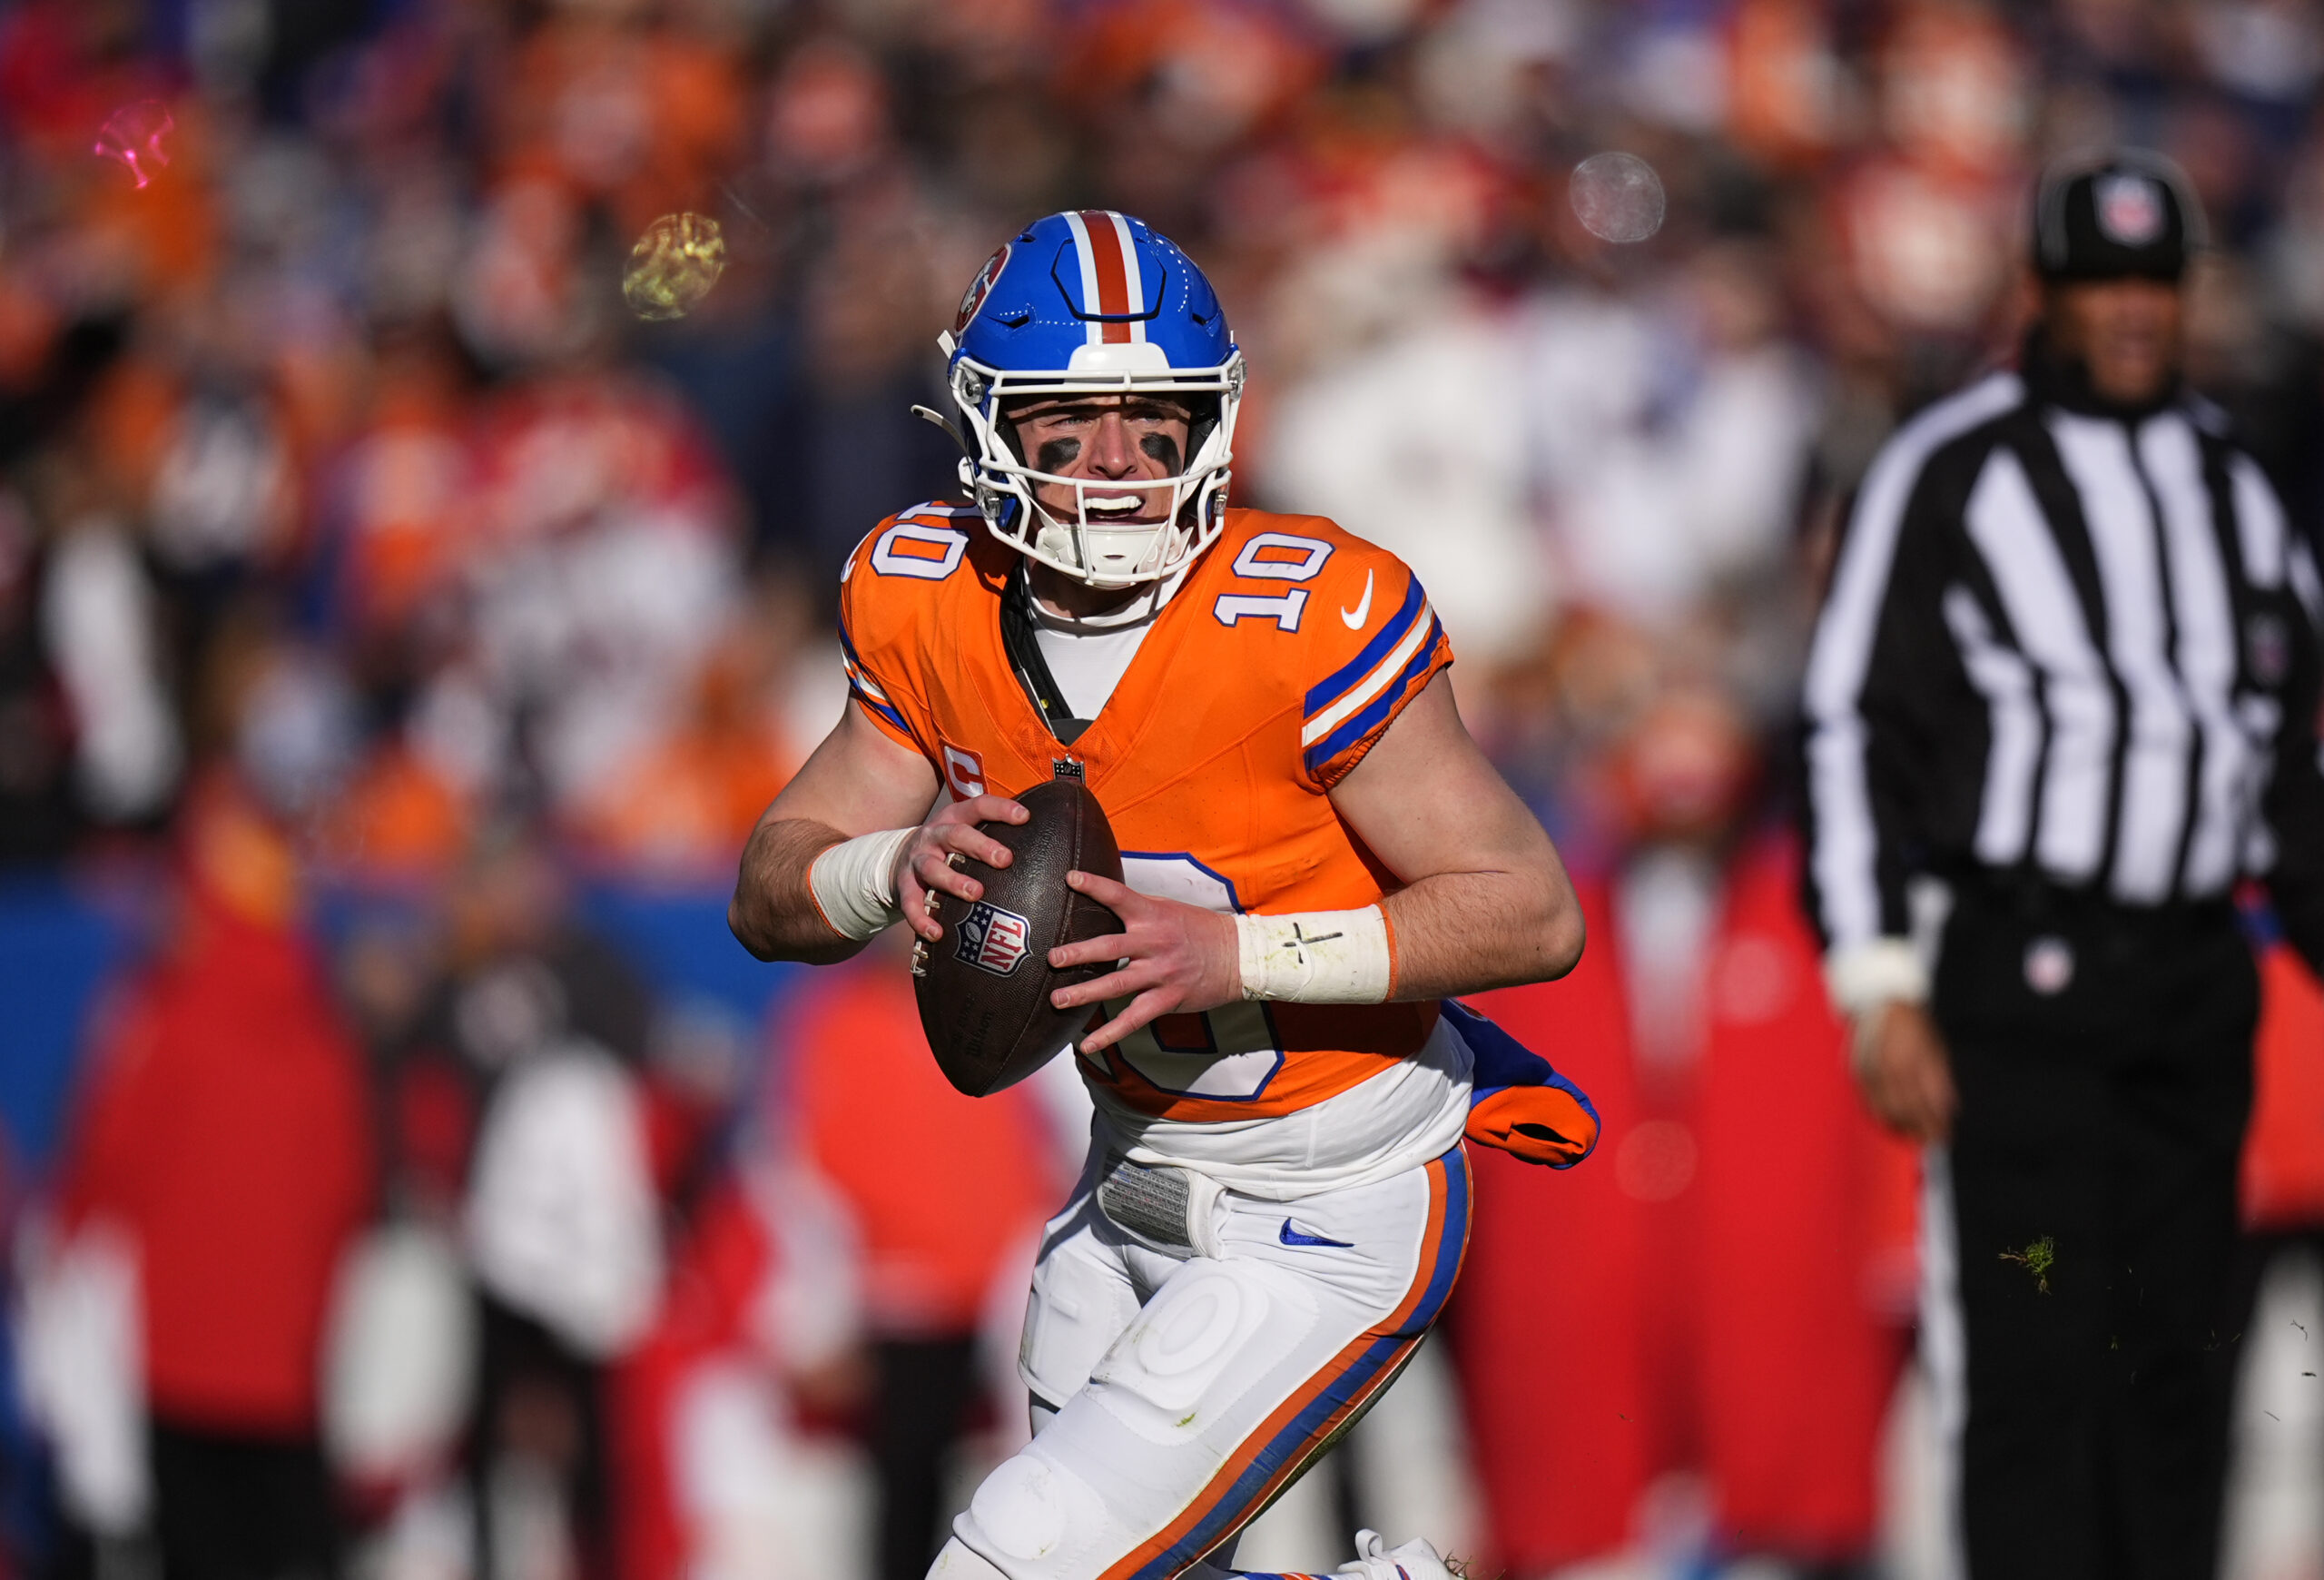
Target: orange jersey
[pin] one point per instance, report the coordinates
(1288, 649)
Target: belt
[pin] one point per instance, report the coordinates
(1164, 1208)
(2042, 902)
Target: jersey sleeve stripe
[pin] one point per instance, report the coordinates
(1422, 663)
(870, 693)
(1321, 724)
(853, 661)
(886, 715)
(861, 680)
(1399, 625)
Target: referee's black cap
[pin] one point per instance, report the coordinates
(2125, 213)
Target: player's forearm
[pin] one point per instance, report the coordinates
(1464, 932)
(774, 911)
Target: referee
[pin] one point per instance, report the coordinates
(2062, 699)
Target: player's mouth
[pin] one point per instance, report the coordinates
(1120, 507)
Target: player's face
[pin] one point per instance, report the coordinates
(1124, 438)
(2127, 332)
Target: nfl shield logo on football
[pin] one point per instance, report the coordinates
(2129, 209)
(993, 939)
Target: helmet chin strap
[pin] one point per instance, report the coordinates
(1061, 541)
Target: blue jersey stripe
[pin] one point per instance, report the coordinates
(859, 674)
(1330, 691)
(1368, 719)
(881, 708)
(847, 643)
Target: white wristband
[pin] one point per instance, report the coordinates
(1864, 976)
(1316, 957)
(854, 885)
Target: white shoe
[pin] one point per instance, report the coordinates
(1376, 1560)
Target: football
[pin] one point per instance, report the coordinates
(984, 987)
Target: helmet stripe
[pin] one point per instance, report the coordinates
(1132, 277)
(1106, 247)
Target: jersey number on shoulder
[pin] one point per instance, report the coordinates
(916, 549)
(1227, 1055)
(1274, 557)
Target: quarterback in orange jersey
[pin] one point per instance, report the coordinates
(1316, 857)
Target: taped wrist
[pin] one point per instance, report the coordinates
(1316, 957)
(855, 886)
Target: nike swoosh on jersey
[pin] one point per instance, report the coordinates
(1290, 1236)
(1363, 610)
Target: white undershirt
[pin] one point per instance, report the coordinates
(1089, 657)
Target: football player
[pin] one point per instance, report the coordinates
(1318, 857)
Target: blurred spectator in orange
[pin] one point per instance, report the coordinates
(225, 1130)
(945, 1193)
(400, 499)
(682, 808)
(625, 107)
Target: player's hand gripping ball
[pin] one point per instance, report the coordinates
(984, 986)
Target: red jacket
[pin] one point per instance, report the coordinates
(224, 1123)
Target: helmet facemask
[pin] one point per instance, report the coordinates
(1098, 544)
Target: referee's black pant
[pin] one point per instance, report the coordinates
(2103, 1060)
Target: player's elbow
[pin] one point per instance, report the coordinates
(1557, 931)
(1562, 935)
(748, 928)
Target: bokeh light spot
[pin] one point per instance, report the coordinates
(674, 265)
(134, 134)
(1656, 1161)
(1617, 197)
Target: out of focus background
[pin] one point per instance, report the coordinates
(429, 433)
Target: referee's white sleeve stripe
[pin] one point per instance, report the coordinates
(1844, 860)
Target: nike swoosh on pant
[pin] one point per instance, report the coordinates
(1290, 1236)
(1363, 610)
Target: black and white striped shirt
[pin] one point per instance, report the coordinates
(2069, 643)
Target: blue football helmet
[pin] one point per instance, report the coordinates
(1094, 302)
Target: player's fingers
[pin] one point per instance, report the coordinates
(1119, 898)
(984, 809)
(967, 840)
(1141, 1011)
(913, 899)
(935, 870)
(1105, 947)
(1133, 978)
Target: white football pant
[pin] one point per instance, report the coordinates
(1178, 1387)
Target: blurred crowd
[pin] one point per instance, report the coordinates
(399, 634)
